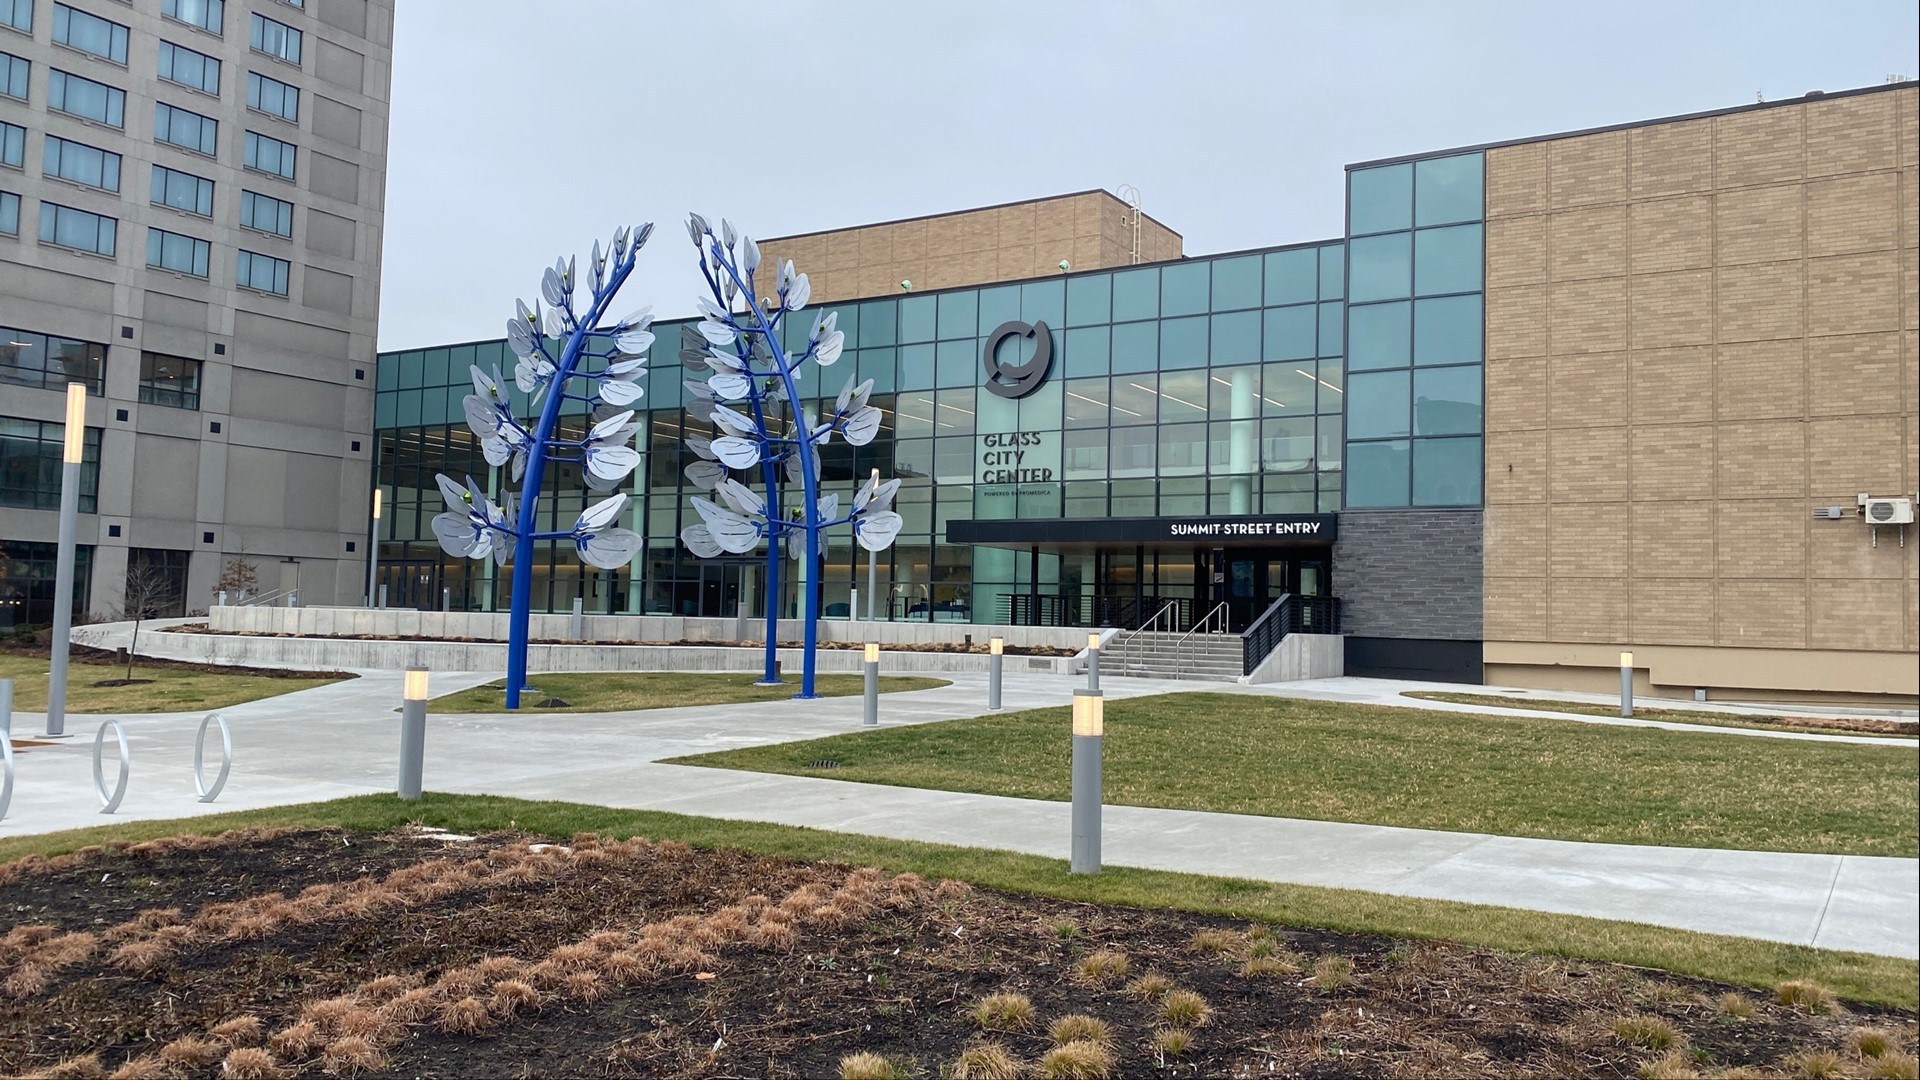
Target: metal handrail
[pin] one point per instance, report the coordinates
(264, 599)
(1149, 627)
(1214, 622)
(1260, 638)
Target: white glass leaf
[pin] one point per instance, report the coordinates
(610, 550)
(630, 365)
(743, 498)
(721, 361)
(705, 475)
(600, 514)
(521, 349)
(798, 295)
(726, 232)
(846, 393)
(638, 319)
(701, 445)
(862, 426)
(520, 336)
(829, 506)
(518, 465)
(718, 333)
(738, 422)
(797, 545)
(482, 418)
(455, 533)
(495, 450)
(599, 266)
(554, 325)
(883, 496)
(711, 511)
(736, 452)
(550, 288)
(454, 494)
(730, 387)
(865, 492)
(697, 389)
(595, 483)
(784, 279)
(524, 376)
(861, 393)
(612, 462)
(502, 551)
(620, 392)
(876, 532)
(606, 428)
(696, 228)
(700, 541)
(701, 409)
(634, 341)
(482, 384)
(641, 235)
(749, 255)
(829, 348)
(706, 306)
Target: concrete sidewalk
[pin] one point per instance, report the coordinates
(341, 739)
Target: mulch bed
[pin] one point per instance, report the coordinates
(418, 955)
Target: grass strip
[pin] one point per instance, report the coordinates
(1803, 725)
(1743, 961)
(171, 689)
(1416, 768)
(627, 691)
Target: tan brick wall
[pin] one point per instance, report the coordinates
(1698, 333)
(974, 247)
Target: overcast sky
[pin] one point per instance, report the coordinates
(522, 131)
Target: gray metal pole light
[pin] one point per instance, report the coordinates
(1626, 684)
(871, 717)
(577, 628)
(872, 574)
(1093, 662)
(446, 599)
(383, 595)
(1089, 730)
(76, 433)
(995, 646)
(413, 731)
(6, 708)
(373, 548)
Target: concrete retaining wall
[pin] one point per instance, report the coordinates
(492, 626)
(1303, 656)
(347, 653)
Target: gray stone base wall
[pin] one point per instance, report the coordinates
(1410, 574)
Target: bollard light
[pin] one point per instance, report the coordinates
(373, 548)
(413, 730)
(1626, 684)
(870, 715)
(1093, 642)
(72, 453)
(1093, 662)
(996, 649)
(1089, 725)
(76, 433)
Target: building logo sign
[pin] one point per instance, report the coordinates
(1018, 380)
(1019, 457)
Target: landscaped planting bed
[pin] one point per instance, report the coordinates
(409, 953)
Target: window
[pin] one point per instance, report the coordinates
(1379, 336)
(13, 145)
(1379, 200)
(295, 3)
(90, 34)
(273, 97)
(46, 362)
(266, 214)
(13, 76)
(173, 381)
(180, 254)
(269, 155)
(17, 14)
(186, 130)
(275, 39)
(63, 226)
(81, 164)
(182, 191)
(1382, 267)
(1447, 190)
(156, 583)
(30, 465)
(86, 99)
(208, 15)
(263, 273)
(196, 71)
(9, 214)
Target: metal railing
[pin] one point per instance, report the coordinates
(1290, 614)
(1124, 611)
(266, 599)
(1123, 644)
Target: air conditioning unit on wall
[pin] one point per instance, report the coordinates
(1886, 511)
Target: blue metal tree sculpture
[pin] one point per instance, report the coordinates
(738, 341)
(552, 345)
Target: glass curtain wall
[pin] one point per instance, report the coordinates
(1210, 385)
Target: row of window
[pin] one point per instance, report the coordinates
(96, 234)
(107, 40)
(49, 362)
(30, 465)
(177, 127)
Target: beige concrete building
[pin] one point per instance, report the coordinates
(191, 205)
(1088, 230)
(1700, 336)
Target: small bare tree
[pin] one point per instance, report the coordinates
(151, 589)
(240, 578)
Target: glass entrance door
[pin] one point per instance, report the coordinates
(719, 589)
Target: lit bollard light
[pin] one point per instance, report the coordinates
(995, 647)
(871, 717)
(1626, 684)
(72, 452)
(1089, 724)
(413, 731)
(1093, 662)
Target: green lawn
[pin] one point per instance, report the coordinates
(1805, 725)
(172, 689)
(624, 691)
(1856, 976)
(1511, 776)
